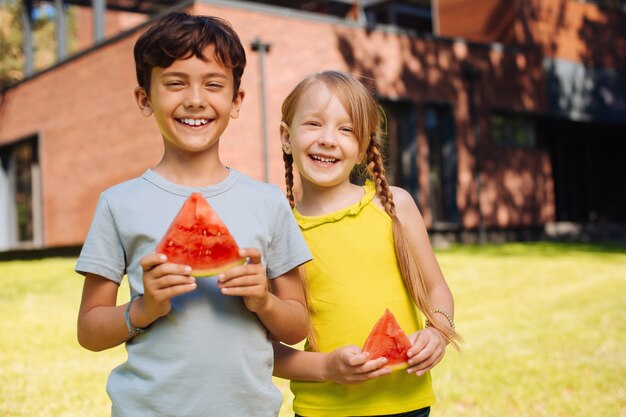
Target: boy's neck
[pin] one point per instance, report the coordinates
(194, 172)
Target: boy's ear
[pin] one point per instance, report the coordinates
(141, 97)
(285, 138)
(237, 101)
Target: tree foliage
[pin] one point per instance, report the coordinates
(11, 54)
(11, 40)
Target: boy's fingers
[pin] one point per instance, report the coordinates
(169, 292)
(253, 255)
(150, 261)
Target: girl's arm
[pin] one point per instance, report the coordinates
(415, 229)
(429, 345)
(346, 365)
(281, 309)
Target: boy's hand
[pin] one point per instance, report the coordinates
(348, 365)
(248, 281)
(428, 349)
(162, 281)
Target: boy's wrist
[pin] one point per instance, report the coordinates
(138, 314)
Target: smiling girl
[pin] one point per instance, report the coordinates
(370, 251)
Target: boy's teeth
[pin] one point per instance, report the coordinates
(194, 122)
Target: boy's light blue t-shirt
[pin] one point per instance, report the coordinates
(209, 356)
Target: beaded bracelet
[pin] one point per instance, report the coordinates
(446, 315)
(132, 330)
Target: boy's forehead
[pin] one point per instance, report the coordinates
(208, 64)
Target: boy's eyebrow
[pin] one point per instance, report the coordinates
(183, 74)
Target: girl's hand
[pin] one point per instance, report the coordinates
(248, 281)
(348, 365)
(162, 281)
(428, 349)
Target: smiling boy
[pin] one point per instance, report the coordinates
(196, 347)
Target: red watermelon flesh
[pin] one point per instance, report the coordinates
(389, 340)
(197, 237)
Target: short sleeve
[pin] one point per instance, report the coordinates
(287, 249)
(102, 253)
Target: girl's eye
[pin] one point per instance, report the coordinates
(311, 123)
(347, 129)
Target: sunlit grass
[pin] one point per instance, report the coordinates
(543, 323)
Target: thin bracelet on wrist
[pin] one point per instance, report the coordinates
(445, 314)
(132, 330)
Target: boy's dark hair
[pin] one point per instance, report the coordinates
(179, 35)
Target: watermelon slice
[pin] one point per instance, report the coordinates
(197, 237)
(389, 340)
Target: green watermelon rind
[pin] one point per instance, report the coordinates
(209, 273)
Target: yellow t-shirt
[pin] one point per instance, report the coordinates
(353, 277)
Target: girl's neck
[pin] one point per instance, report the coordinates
(317, 201)
(194, 171)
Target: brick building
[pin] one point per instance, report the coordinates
(504, 116)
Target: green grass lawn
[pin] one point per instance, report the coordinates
(543, 323)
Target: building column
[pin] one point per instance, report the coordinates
(99, 11)
(61, 29)
(27, 34)
(263, 48)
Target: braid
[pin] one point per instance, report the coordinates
(377, 171)
(288, 159)
(408, 262)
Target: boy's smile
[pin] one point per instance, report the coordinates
(192, 101)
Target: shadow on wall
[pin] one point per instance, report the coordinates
(430, 70)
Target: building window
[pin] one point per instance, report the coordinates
(442, 161)
(413, 14)
(512, 130)
(20, 195)
(609, 4)
(400, 148)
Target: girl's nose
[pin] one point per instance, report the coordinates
(327, 138)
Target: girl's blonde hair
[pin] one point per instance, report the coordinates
(367, 120)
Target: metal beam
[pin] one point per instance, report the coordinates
(61, 29)
(99, 10)
(27, 35)
(263, 48)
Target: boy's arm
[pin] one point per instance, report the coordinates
(102, 323)
(282, 309)
(346, 365)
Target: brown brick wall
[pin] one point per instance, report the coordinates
(92, 135)
(566, 29)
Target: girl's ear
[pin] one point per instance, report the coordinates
(285, 138)
(143, 101)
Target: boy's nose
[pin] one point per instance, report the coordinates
(195, 98)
